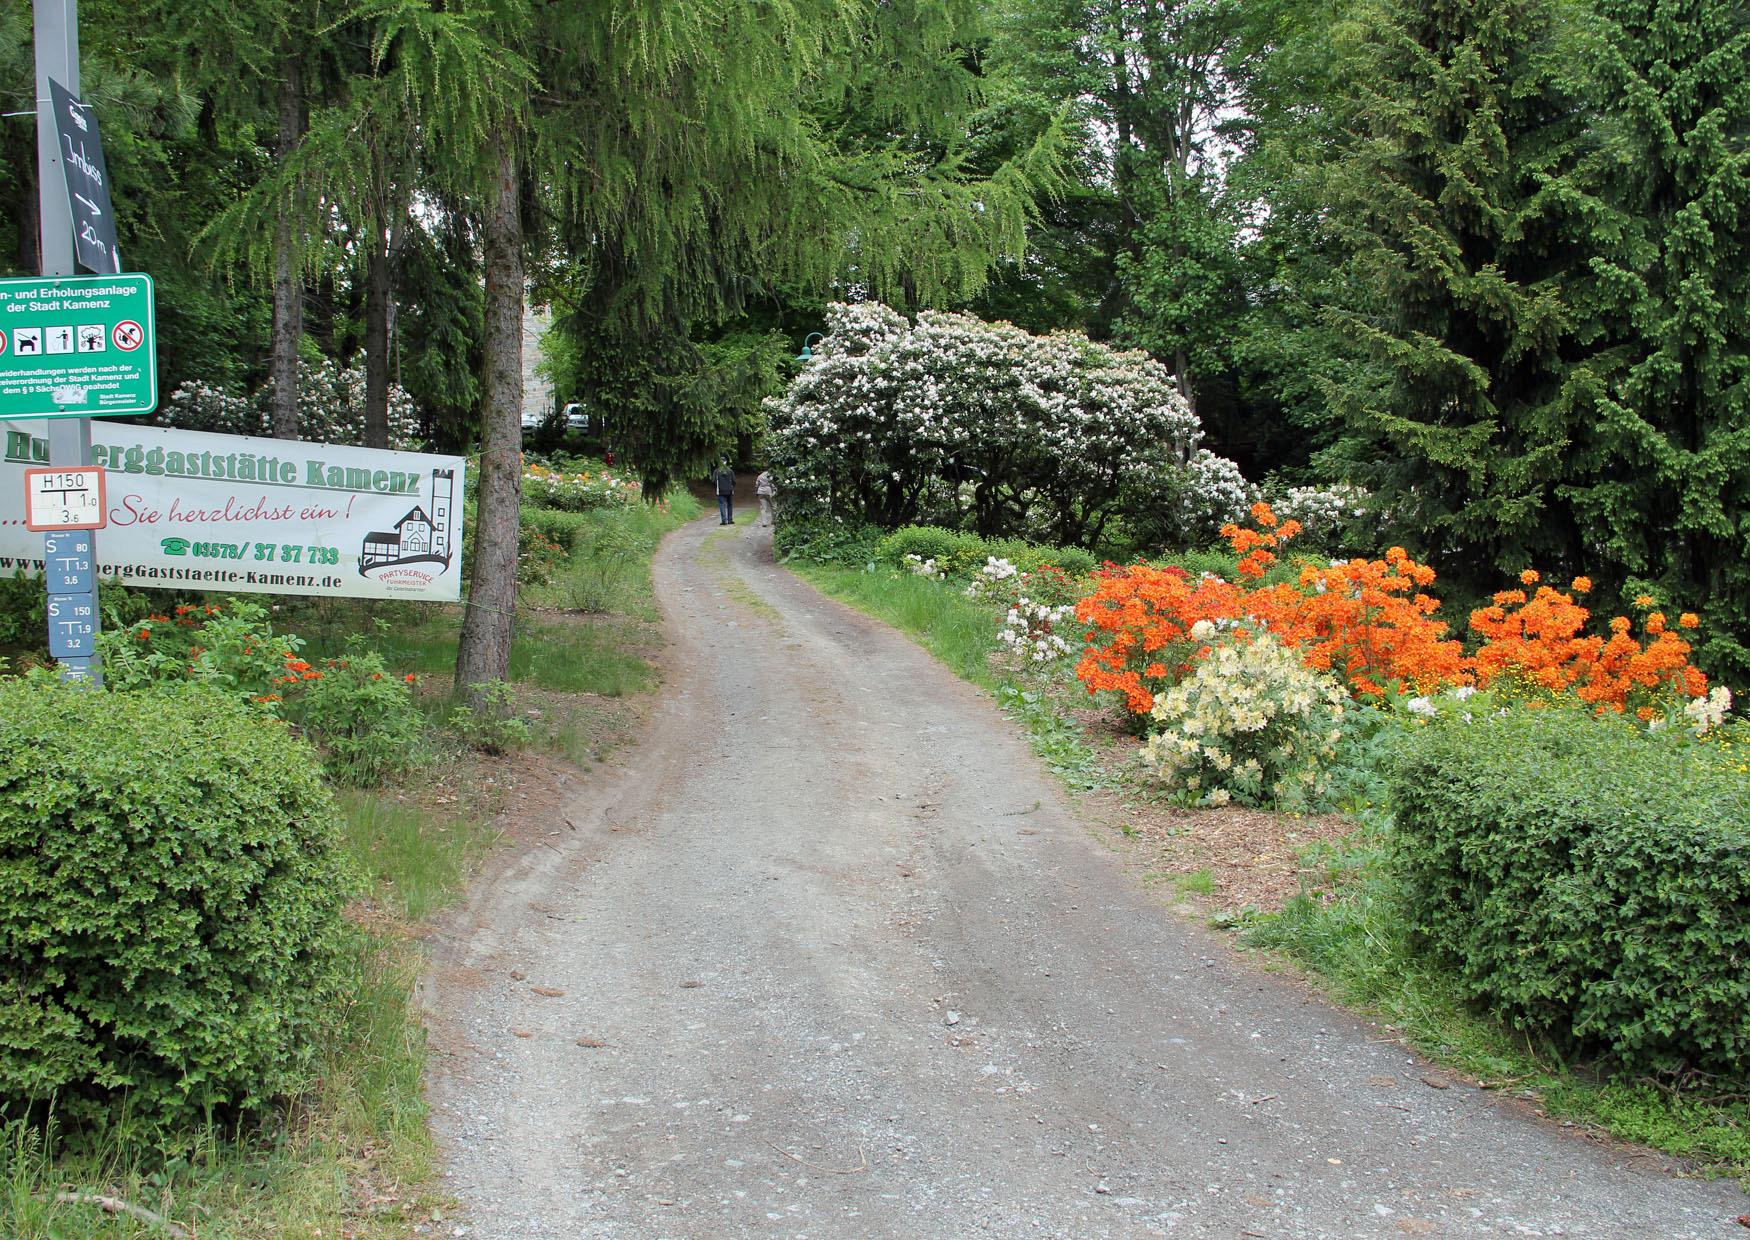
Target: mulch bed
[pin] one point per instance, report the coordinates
(1252, 856)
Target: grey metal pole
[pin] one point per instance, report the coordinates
(57, 56)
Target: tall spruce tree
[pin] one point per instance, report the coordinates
(1458, 200)
(1672, 512)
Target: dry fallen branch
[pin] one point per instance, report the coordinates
(862, 1161)
(115, 1205)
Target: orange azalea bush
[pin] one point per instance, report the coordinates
(1373, 623)
(1539, 641)
(1140, 619)
(1368, 621)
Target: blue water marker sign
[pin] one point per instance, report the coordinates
(69, 562)
(72, 626)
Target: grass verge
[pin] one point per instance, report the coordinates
(955, 629)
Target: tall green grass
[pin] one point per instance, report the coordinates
(414, 859)
(955, 629)
(605, 648)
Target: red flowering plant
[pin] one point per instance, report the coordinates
(362, 717)
(229, 645)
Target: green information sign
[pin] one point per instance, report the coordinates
(77, 347)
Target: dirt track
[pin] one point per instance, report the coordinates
(844, 964)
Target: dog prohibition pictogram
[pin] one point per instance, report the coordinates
(128, 335)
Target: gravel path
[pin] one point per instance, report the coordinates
(837, 960)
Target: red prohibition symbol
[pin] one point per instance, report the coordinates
(2, 342)
(128, 335)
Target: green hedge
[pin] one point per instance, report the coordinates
(1587, 879)
(1030, 557)
(960, 554)
(170, 895)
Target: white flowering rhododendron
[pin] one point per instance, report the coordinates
(1031, 630)
(1323, 511)
(331, 408)
(986, 580)
(969, 424)
(1252, 722)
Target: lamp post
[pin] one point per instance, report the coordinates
(807, 354)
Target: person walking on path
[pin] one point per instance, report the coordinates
(766, 489)
(725, 493)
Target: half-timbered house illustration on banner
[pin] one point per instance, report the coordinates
(420, 537)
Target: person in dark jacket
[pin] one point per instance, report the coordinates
(725, 494)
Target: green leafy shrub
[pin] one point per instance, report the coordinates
(1222, 563)
(1031, 557)
(954, 553)
(1589, 880)
(822, 539)
(493, 725)
(23, 611)
(559, 525)
(361, 715)
(170, 894)
(538, 557)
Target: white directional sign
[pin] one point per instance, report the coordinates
(64, 498)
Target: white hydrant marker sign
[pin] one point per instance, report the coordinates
(64, 498)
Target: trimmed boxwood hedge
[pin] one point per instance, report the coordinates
(170, 898)
(961, 554)
(1587, 880)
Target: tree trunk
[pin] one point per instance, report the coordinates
(1182, 372)
(377, 294)
(380, 265)
(288, 286)
(484, 653)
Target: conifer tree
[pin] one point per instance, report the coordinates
(1672, 511)
(1465, 229)
(695, 157)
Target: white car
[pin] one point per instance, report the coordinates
(532, 419)
(575, 417)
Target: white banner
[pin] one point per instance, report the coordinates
(239, 514)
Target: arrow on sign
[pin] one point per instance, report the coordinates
(89, 205)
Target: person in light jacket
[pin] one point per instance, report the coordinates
(767, 490)
(725, 477)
